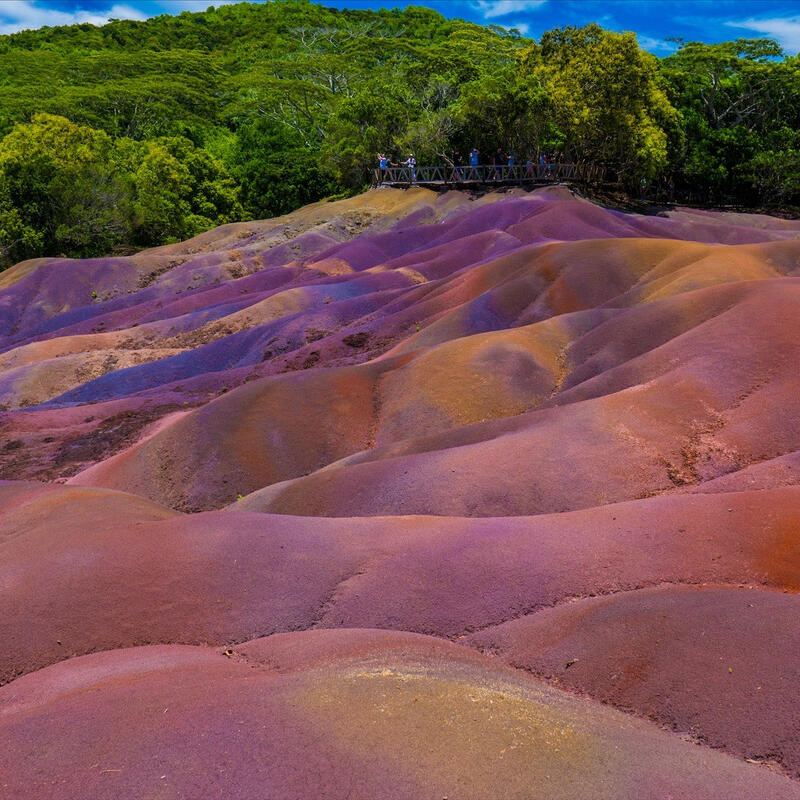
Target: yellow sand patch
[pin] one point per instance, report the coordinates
(16, 273)
(472, 738)
(331, 266)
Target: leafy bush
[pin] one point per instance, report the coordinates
(157, 130)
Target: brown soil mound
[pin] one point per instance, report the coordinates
(698, 660)
(405, 427)
(364, 714)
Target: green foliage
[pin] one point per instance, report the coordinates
(59, 190)
(139, 133)
(604, 98)
(277, 172)
(138, 95)
(736, 100)
(180, 190)
(362, 125)
(71, 189)
(775, 171)
(509, 107)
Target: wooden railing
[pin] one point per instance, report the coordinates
(484, 173)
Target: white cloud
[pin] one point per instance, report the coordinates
(176, 6)
(785, 30)
(20, 15)
(522, 27)
(502, 8)
(651, 44)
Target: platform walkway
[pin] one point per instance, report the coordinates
(488, 174)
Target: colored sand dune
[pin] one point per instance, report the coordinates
(408, 495)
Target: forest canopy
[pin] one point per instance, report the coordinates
(139, 133)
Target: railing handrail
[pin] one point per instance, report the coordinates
(488, 173)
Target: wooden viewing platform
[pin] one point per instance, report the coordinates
(488, 174)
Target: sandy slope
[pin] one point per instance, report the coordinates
(386, 434)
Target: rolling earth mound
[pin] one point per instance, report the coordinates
(407, 495)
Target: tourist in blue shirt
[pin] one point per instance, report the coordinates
(383, 166)
(473, 163)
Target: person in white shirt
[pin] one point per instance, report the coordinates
(411, 163)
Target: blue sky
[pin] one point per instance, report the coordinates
(654, 21)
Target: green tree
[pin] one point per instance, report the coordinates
(139, 95)
(178, 190)
(158, 129)
(735, 99)
(57, 181)
(277, 172)
(605, 98)
(211, 195)
(774, 171)
(67, 188)
(374, 119)
(506, 107)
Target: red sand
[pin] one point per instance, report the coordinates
(106, 576)
(656, 651)
(330, 715)
(562, 434)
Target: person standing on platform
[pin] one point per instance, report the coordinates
(411, 163)
(498, 162)
(383, 166)
(457, 172)
(473, 164)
